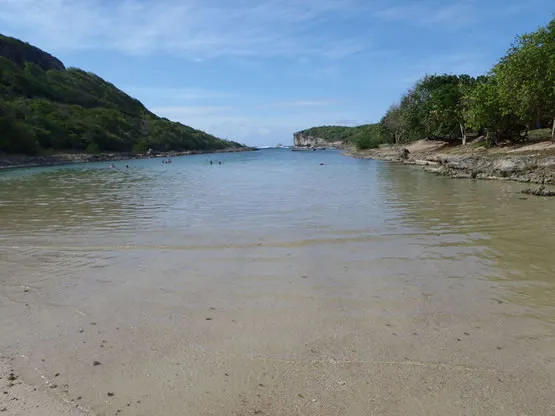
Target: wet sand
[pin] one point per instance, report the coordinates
(20, 399)
(323, 337)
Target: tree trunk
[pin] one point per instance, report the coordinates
(553, 130)
(463, 133)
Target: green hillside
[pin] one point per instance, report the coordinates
(361, 136)
(45, 107)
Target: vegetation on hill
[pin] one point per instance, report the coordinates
(516, 96)
(332, 133)
(45, 107)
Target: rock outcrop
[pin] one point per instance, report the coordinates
(540, 191)
(532, 169)
(538, 166)
(303, 140)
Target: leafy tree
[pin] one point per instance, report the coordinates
(526, 78)
(392, 126)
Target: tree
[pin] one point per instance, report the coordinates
(483, 108)
(392, 124)
(526, 78)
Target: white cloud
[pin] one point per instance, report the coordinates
(198, 29)
(254, 129)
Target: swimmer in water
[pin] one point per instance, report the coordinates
(211, 163)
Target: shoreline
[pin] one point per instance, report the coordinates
(529, 163)
(22, 161)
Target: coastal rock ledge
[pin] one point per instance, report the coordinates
(304, 140)
(533, 163)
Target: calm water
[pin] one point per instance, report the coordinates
(374, 241)
(285, 199)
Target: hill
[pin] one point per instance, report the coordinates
(46, 108)
(360, 136)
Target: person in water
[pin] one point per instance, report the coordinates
(220, 162)
(211, 163)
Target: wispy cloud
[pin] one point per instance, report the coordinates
(185, 111)
(165, 94)
(199, 29)
(244, 124)
(453, 14)
(299, 103)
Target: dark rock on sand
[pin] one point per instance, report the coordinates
(539, 191)
(404, 154)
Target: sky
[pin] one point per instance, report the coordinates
(256, 71)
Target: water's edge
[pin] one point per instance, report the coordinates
(537, 166)
(20, 161)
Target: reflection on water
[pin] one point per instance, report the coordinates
(515, 234)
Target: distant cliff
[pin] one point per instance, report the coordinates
(305, 140)
(330, 136)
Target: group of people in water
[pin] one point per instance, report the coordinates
(212, 162)
(112, 166)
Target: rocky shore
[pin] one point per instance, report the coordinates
(23, 161)
(532, 163)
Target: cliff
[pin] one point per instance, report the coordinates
(305, 140)
(331, 136)
(46, 108)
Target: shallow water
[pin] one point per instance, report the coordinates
(318, 289)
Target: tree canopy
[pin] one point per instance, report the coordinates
(517, 95)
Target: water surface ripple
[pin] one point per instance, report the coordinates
(310, 263)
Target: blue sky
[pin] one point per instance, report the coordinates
(256, 71)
